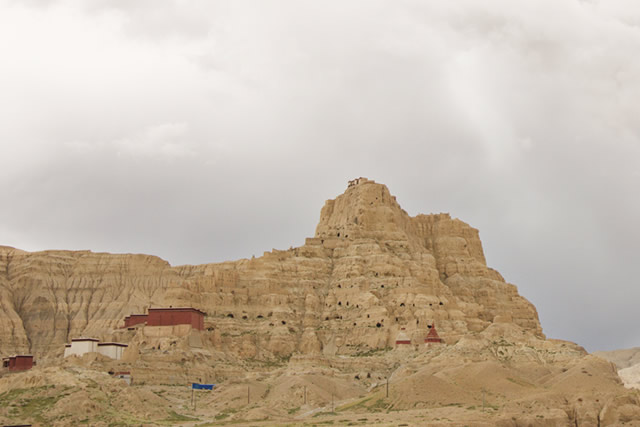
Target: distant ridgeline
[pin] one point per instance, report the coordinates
(369, 271)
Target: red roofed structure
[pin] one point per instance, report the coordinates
(168, 317)
(21, 362)
(176, 316)
(432, 336)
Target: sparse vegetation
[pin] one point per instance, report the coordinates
(354, 405)
(324, 414)
(31, 404)
(226, 413)
(174, 416)
(372, 352)
(379, 405)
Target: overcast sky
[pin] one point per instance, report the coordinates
(204, 131)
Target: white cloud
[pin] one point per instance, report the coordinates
(167, 139)
(518, 117)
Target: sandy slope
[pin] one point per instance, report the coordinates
(503, 376)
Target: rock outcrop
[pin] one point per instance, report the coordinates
(369, 270)
(49, 297)
(302, 333)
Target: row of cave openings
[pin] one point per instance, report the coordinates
(284, 322)
(337, 317)
(259, 316)
(401, 304)
(378, 324)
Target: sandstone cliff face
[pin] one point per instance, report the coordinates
(300, 328)
(47, 298)
(370, 270)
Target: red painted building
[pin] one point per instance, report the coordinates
(21, 362)
(432, 336)
(176, 316)
(168, 317)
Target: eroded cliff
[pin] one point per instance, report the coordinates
(305, 334)
(369, 270)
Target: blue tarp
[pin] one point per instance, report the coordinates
(197, 386)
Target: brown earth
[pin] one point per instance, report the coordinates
(318, 321)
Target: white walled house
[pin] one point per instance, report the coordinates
(113, 350)
(80, 346)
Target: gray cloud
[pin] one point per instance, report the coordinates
(204, 132)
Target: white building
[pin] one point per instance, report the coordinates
(402, 339)
(80, 346)
(113, 350)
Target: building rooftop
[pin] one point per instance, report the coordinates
(177, 309)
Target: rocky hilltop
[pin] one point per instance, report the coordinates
(369, 270)
(301, 336)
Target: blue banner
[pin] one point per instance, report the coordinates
(197, 386)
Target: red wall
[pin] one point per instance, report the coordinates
(20, 363)
(171, 317)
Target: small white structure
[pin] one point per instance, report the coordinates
(113, 350)
(402, 339)
(80, 346)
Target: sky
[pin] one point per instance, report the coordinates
(205, 131)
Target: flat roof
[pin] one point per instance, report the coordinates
(177, 309)
(113, 343)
